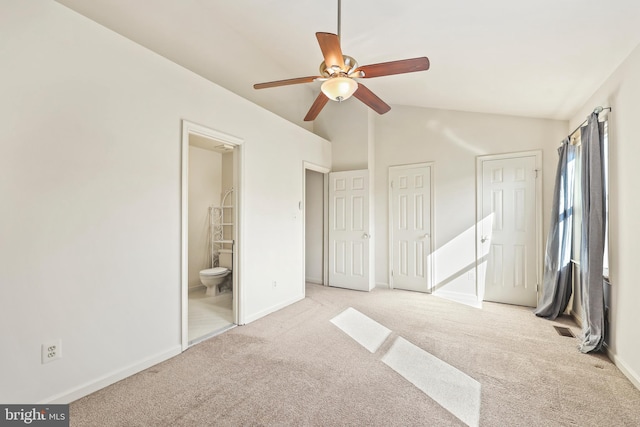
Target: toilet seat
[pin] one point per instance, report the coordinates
(216, 271)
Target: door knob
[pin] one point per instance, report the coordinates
(484, 239)
(426, 236)
(365, 236)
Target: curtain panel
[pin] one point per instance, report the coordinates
(592, 236)
(558, 277)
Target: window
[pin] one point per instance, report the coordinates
(577, 222)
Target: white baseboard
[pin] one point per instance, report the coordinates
(624, 368)
(577, 317)
(383, 285)
(459, 297)
(101, 382)
(620, 364)
(314, 280)
(255, 316)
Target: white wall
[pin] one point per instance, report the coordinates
(453, 140)
(205, 186)
(230, 67)
(314, 230)
(621, 91)
(345, 124)
(90, 190)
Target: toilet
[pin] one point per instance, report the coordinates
(214, 278)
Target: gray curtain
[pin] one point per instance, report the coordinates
(557, 279)
(592, 235)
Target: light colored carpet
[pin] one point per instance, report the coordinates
(366, 331)
(454, 390)
(295, 367)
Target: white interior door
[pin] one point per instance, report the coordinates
(508, 229)
(349, 229)
(410, 221)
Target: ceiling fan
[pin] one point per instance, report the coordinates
(338, 73)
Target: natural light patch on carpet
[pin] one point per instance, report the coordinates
(366, 331)
(454, 390)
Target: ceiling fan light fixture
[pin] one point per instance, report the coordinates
(339, 88)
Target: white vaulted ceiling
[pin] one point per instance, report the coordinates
(539, 58)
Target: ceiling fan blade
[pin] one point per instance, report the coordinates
(286, 82)
(317, 106)
(330, 47)
(394, 67)
(371, 99)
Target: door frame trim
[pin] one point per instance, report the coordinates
(537, 154)
(191, 128)
(432, 240)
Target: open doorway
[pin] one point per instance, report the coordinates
(315, 214)
(210, 230)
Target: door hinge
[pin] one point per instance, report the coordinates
(391, 184)
(392, 272)
(536, 172)
(537, 287)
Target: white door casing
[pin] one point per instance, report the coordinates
(349, 230)
(191, 128)
(410, 219)
(509, 228)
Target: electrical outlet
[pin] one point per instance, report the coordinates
(51, 351)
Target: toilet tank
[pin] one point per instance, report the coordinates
(225, 258)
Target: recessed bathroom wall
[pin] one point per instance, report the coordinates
(227, 171)
(205, 187)
(227, 184)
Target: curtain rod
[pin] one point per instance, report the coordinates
(596, 110)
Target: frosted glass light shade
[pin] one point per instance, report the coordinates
(339, 88)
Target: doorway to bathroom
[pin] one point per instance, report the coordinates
(211, 191)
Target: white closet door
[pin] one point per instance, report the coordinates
(349, 229)
(410, 220)
(509, 199)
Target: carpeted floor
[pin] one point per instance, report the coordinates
(295, 367)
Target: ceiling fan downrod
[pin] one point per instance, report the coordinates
(339, 17)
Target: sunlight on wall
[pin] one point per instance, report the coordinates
(483, 254)
(436, 126)
(455, 265)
